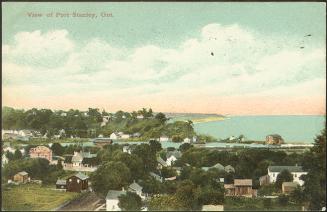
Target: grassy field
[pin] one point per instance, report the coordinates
(257, 204)
(34, 197)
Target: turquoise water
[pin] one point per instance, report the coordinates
(291, 128)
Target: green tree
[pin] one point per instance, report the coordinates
(133, 162)
(18, 154)
(59, 164)
(283, 176)
(130, 202)
(315, 180)
(161, 117)
(147, 156)
(186, 194)
(184, 147)
(165, 203)
(57, 149)
(110, 176)
(155, 145)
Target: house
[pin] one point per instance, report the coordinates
(274, 139)
(217, 166)
(140, 117)
(163, 138)
(187, 140)
(100, 142)
(296, 171)
(136, 135)
(21, 177)
(61, 184)
(136, 188)
(80, 159)
(241, 187)
(114, 136)
(112, 200)
(172, 156)
(212, 208)
(77, 182)
(125, 136)
(26, 133)
(229, 169)
(9, 149)
(161, 163)
(41, 152)
(288, 187)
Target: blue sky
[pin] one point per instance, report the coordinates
(159, 55)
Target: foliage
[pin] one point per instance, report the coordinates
(130, 202)
(148, 157)
(155, 146)
(164, 203)
(267, 203)
(315, 180)
(57, 149)
(38, 168)
(110, 176)
(283, 176)
(184, 147)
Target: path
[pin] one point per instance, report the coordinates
(88, 202)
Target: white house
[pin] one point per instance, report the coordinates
(187, 140)
(171, 160)
(172, 156)
(296, 171)
(163, 138)
(140, 117)
(125, 136)
(114, 136)
(112, 200)
(26, 133)
(9, 149)
(135, 187)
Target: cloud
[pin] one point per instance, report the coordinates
(221, 61)
(48, 49)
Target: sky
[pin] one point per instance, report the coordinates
(210, 57)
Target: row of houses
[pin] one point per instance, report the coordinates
(23, 135)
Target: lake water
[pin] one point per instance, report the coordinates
(293, 129)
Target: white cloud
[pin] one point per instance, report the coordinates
(244, 62)
(48, 49)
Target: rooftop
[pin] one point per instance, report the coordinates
(81, 176)
(242, 182)
(290, 184)
(22, 173)
(114, 194)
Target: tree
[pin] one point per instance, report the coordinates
(184, 147)
(10, 156)
(210, 196)
(59, 164)
(57, 149)
(18, 154)
(133, 162)
(165, 203)
(130, 202)
(155, 145)
(283, 176)
(315, 180)
(186, 193)
(161, 117)
(110, 176)
(297, 195)
(147, 156)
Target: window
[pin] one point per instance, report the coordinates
(70, 180)
(78, 180)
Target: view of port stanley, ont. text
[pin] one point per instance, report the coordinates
(163, 106)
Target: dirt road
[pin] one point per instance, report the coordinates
(88, 202)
